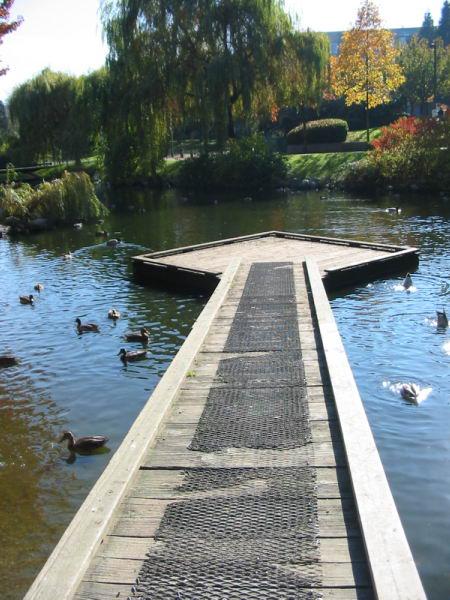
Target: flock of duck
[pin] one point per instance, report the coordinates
(411, 391)
(87, 444)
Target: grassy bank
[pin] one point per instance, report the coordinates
(319, 166)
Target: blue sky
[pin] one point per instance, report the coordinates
(66, 35)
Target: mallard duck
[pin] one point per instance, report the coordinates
(67, 256)
(113, 314)
(131, 355)
(410, 392)
(113, 242)
(39, 287)
(407, 282)
(86, 327)
(143, 335)
(26, 299)
(85, 444)
(8, 360)
(442, 320)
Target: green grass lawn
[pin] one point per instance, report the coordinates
(319, 166)
(360, 136)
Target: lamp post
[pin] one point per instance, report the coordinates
(434, 47)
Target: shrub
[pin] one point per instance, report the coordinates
(248, 164)
(324, 131)
(66, 200)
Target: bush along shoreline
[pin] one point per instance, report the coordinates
(412, 154)
(61, 202)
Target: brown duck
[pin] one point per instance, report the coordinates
(85, 444)
(131, 355)
(86, 327)
(8, 360)
(26, 299)
(143, 335)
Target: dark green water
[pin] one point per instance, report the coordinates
(66, 381)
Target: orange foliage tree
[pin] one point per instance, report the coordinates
(6, 25)
(366, 69)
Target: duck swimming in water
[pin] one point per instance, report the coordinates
(131, 355)
(407, 282)
(138, 336)
(85, 444)
(26, 299)
(8, 360)
(410, 392)
(113, 242)
(86, 327)
(39, 287)
(442, 320)
(67, 256)
(113, 314)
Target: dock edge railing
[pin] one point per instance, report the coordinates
(393, 570)
(64, 570)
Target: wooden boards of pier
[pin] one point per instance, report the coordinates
(363, 549)
(342, 262)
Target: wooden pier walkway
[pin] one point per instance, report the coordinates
(251, 473)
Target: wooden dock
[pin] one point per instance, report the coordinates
(250, 473)
(341, 262)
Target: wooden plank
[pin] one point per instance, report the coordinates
(108, 591)
(65, 567)
(393, 570)
(125, 571)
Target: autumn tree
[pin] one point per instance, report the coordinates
(366, 70)
(6, 25)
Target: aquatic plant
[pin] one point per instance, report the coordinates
(62, 201)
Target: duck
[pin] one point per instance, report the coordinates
(113, 242)
(86, 327)
(113, 314)
(85, 444)
(39, 287)
(143, 335)
(78, 225)
(442, 320)
(410, 392)
(8, 360)
(26, 299)
(394, 209)
(67, 256)
(407, 282)
(131, 355)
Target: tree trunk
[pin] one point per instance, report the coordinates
(367, 118)
(231, 132)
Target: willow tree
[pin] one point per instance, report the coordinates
(306, 70)
(366, 70)
(206, 59)
(46, 113)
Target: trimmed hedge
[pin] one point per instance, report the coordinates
(324, 131)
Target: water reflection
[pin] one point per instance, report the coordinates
(67, 381)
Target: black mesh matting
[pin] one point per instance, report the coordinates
(268, 370)
(264, 418)
(246, 533)
(241, 546)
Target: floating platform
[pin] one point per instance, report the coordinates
(341, 262)
(251, 472)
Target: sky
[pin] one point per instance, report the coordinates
(66, 35)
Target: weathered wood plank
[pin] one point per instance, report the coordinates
(65, 567)
(393, 570)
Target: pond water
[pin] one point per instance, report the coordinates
(67, 381)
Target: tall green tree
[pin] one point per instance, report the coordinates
(212, 60)
(417, 61)
(444, 23)
(428, 30)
